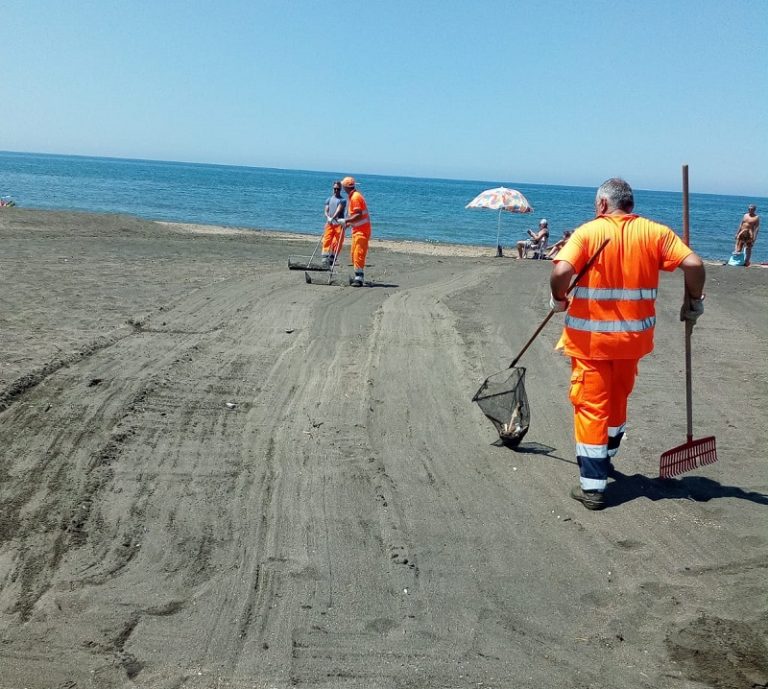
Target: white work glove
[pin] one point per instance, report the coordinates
(692, 309)
(558, 305)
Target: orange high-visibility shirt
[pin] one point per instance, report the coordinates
(612, 313)
(357, 203)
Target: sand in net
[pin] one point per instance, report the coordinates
(503, 400)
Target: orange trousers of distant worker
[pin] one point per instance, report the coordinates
(360, 248)
(333, 239)
(599, 392)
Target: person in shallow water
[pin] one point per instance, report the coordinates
(746, 235)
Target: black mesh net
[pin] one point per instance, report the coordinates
(503, 400)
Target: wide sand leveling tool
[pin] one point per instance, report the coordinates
(330, 277)
(315, 261)
(692, 453)
(502, 396)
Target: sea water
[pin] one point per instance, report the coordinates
(403, 208)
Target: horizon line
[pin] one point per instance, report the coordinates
(332, 172)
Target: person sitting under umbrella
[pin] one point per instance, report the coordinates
(537, 240)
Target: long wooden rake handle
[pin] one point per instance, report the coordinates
(551, 313)
(688, 324)
(692, 453)
(688, 381)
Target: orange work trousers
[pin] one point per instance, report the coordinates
(359, 249)
(333, 239)
(599, 392)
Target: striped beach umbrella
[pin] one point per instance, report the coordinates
(501, 199)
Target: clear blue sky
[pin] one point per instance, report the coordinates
(537, 91)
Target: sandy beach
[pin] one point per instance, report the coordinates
(216, 475)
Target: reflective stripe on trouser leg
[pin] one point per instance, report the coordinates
(599, 392)
(593, 471)
(359, 250)
(615, 434)
(622, 383)
(589, 394)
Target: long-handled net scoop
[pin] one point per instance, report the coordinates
(692, 453)
(502, 396)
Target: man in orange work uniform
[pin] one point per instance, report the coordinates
(357, 218)
(610, 319)
(333, 234)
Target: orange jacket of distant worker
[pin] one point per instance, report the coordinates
(361, 232)
(355, 205)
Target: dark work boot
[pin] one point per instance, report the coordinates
(591, 499)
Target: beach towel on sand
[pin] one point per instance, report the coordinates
(737, 259)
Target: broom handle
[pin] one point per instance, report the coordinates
(551, 313)
(688, 324)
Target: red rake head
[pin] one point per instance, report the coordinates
(688, 456)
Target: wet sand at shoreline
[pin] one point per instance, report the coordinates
(216, 475)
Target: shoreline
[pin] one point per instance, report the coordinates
(405, 246)
(401, 246)
(398, 246)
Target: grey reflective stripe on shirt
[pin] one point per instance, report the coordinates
(609, 326)
(610, 294)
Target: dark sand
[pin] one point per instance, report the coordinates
(350, 522)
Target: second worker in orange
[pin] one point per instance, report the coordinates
(357, 218)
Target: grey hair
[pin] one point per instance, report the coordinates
(618, 194)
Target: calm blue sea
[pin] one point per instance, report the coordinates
(418, 209)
